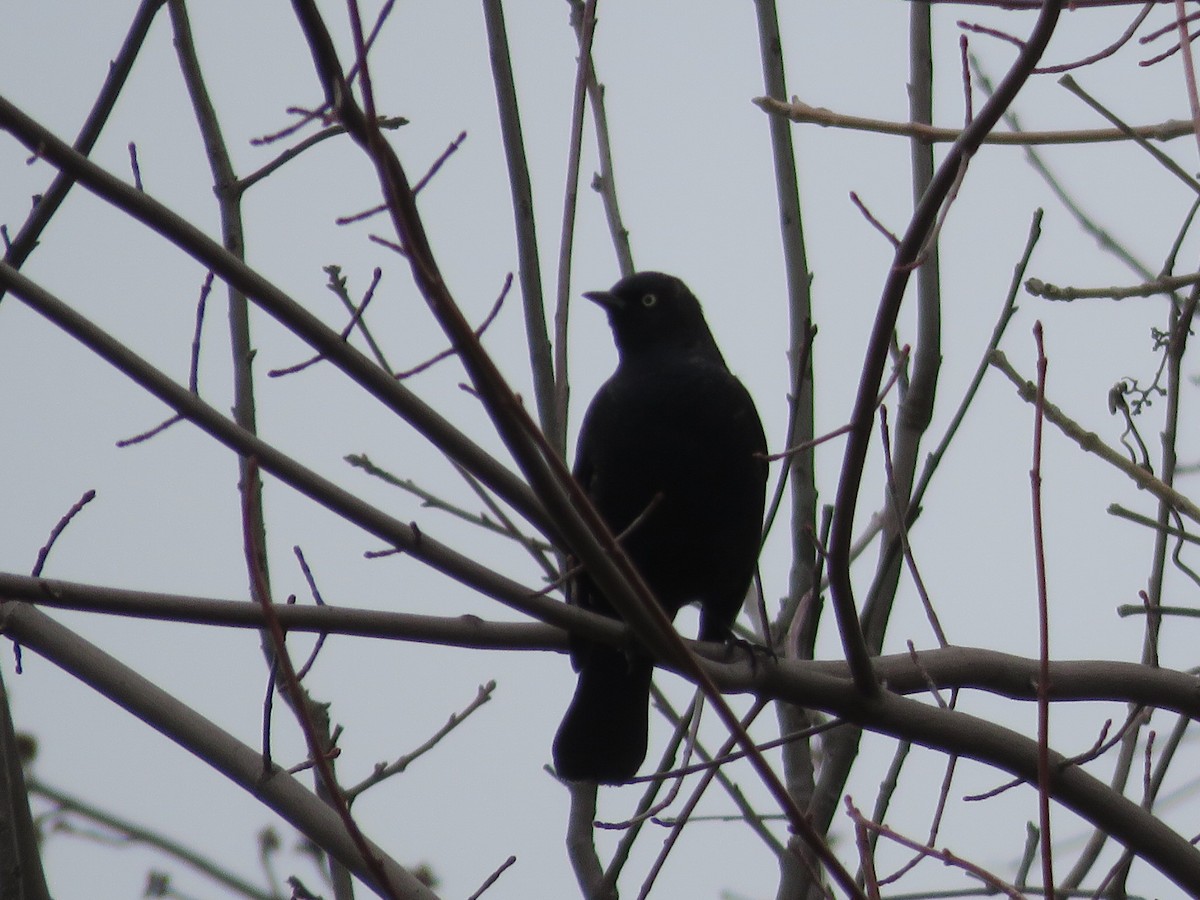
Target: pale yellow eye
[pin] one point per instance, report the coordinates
(648, 300)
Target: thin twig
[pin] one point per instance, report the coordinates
(337, 285)
(685, 813)
(134, 167)
(329, 131)
(134, 832)
(320, 601)
(193, 369)
(1041, 167)
(384, 771)
(491, 879)
(1189, 68)
(902, 533)
(945, 856)
(384, 13)
(433, 501)
(451, 351)
(299, 703)
(875, 223)
(680, 728)
(1039, 559)
(897, 369)
(1115, 509)
(1006, 313)
(1167, 163)
(356, 317)
(799, 378)
(1090, 442)
(1107, 51)
(800, 112)
(56, 532)
(420, 183)
(26, 240)
(537, 549)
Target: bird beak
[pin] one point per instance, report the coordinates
(610, 301)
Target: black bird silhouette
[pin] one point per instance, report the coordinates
(671, 451)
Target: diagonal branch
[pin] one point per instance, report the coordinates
(27, 238)
(373, 379)
(183, 725)
(338, 500)
(570, 509)
(911, 246)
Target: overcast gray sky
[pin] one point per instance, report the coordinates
(697, 190)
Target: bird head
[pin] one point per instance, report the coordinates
(653, 312)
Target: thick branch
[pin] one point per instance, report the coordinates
(377, 382)
(338, 500)
(233, 759)
(461, 631)
(948, 668)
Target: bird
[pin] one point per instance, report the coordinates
(672, 454)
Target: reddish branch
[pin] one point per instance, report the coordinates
(567, 505)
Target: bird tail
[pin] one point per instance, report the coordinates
(602, 737)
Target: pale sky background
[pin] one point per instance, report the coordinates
(697, 190)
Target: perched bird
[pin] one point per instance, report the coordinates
(672, 454)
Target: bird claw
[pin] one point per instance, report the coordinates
(755, 650)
